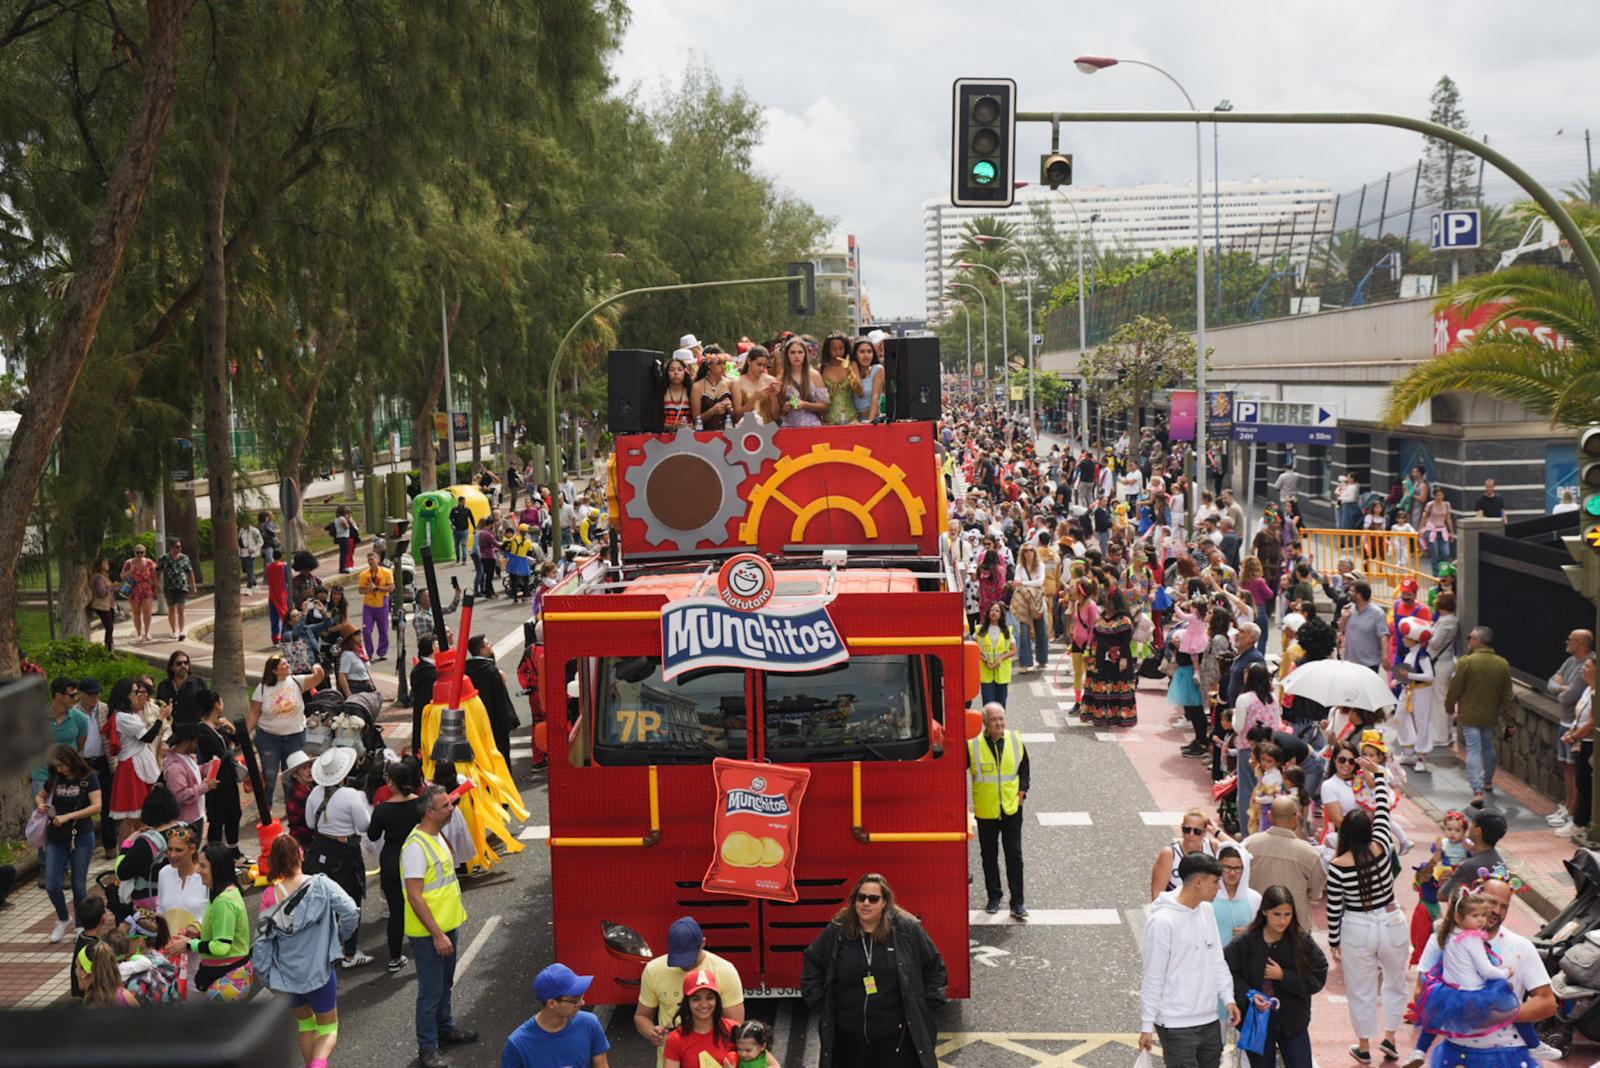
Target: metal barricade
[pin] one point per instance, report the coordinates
(1384, 558)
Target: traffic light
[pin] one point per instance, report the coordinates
(1584, 548)
(803, 290)
(1055, 169)
(983, 148)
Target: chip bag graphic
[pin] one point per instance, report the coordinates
(757, 829)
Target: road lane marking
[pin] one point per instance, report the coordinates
(1051, 720)
(1136, 919)
(477, 944)
(1114, 736)
(535, 833)
(1064, 819)
(1161, 819)
(1040, 688)
(508, 643)
(1035, 739)
(1049, 918)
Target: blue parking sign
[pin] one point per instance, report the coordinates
(1456, 230)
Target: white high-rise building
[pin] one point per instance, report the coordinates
(1145, 218)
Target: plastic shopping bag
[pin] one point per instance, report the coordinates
(1253, 1031)
(1144, 1060)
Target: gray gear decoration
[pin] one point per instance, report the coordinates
(715, 474)
(743, 433)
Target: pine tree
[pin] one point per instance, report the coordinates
(1449, 175)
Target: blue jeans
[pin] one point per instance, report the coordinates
(57, 855)
(1032, 638)
(994, 692)
(1439, 551)
(436, 977)
(1264, 621)
(272, 750)
(1350, 516)
(1293, 1052)
(461, 544)
(1480, 756)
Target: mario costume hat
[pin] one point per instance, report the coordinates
(1409, 586)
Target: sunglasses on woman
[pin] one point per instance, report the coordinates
(868, 899)
(1194, 830)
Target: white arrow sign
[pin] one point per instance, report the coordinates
(987, 955)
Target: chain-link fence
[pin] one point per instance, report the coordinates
(1362, 246)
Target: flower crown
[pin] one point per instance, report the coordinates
(1498, 873)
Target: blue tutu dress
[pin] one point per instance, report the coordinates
(1182, 691)
(1456, 1013)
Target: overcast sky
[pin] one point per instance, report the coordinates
(858, 106)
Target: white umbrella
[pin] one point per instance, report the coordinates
(1339, 683)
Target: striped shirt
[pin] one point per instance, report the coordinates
(1344, 888)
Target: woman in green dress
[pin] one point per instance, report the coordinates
(844, 384)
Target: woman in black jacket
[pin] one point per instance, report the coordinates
(874, 980)
(1277, 958)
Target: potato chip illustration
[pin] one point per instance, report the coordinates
(756, 832)
(771, 852)
(741, 850)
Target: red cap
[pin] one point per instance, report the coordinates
(699, 979)
(1408, 586)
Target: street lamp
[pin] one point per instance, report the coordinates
(983, 297)
(984, 239)
(963, 306)
(1216, 197)
(1090, 65)
(1005, 327)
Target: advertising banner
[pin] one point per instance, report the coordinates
(702, 632)
(1454, 327)
(1182, 422)
(1219, 413)
(755, 829)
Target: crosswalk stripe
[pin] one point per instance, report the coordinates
(1064, 819)
(1113, 736)
(534, 833)
(1049, 918)
(1051, 720)
(1035, 739)
(1161, 819)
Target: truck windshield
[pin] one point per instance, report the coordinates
(691, 720)
(868, 708)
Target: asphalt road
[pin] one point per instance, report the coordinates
(1061, 989)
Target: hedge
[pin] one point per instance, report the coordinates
(77, 658)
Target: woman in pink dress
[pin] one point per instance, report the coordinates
(140, 570)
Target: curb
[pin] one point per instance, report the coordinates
(1537, 895)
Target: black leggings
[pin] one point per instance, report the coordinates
(1585, 768)
(1197, 719)
(394, 893)
(108, 620)
(851, 1050)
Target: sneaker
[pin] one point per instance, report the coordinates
(59, 931)
(1361, 1055)
(992, 908)
(1387, 1047)
(1019, 912)
(1568, 830)
(1421, 765)
(1477, 800)
(1415, 1059)
(1559, 816)
(356, 960)
(1544, 1051)
(399, 962)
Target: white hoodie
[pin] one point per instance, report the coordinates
(1184, 973)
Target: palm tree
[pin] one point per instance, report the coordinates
(1559, 383)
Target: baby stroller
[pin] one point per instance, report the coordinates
(334, 719)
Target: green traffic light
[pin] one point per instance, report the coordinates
(983, 172)
(1591, 505)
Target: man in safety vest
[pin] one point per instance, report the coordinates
(435, 915)
(998, 764)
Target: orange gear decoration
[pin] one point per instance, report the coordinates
(893, 478)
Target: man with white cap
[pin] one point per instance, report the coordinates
(560, 1033)
(877, 337)
(1414, 718)
(337, 816)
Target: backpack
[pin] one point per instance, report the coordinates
(155, 985)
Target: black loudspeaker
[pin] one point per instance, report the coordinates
(911, 374)
(633, 391)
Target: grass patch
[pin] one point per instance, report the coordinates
(13, 850)
(33, 626)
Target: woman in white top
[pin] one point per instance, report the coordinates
(338, 816)
(355, 676)
(181, 894)
(1027, 605)
(277, 717)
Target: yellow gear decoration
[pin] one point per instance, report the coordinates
(894, 481)
(486, 806)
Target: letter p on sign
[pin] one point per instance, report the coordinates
(1454, 230)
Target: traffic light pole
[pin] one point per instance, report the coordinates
(1542, 196)
(552, 436)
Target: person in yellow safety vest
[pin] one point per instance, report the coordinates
(997, 649)
(435, 915)
(998, 765)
